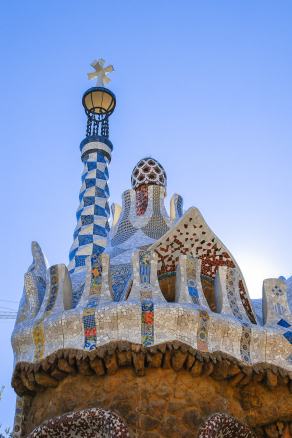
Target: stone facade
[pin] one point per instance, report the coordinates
(165, 402)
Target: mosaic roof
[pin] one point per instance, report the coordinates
(148, 171)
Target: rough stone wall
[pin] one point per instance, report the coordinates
(164, 403)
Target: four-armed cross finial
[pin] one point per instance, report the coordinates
(100, 72)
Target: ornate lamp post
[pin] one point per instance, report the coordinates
(90, 235)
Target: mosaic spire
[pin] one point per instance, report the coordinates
(90, 235)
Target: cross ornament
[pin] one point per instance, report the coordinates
(100, 72)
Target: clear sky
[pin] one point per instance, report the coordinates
(203, 86)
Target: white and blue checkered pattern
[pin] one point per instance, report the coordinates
(90, 235)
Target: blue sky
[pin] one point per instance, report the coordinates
(203, 86)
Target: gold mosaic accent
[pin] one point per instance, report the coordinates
(96, 273)
(39, 340)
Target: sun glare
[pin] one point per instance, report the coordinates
(256, 267)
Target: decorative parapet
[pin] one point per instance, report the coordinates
(176, 207)
(277, 319)
(145, 282)
(145, 319)
(35, 281)
(36, 334)
(227, 294)
(32, 298)
(116, 210)
(188, 282)
(275, 303)
(58, 296)
(146, 291)
(97, 282)
(229, 304)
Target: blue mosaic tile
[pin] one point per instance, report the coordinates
(284, 323)
(144, 262)
(121, 276)
(76, 232)
(72, 254)
(100, 193)
(91, 165)
(179, 206)
(78, 214)
(81, 194)
(80, 260)
(194, 294)
(97, 249)
(76, 294)
(100, 231)
(87, 219)
(107, 209)
(100, 158)
(99, 211)
(88, 200)
(288, 336)
(90, 182)
(89, 324)
(106, 190)
(100, 174)
(41, 288)
(147, 327)
(85, 239)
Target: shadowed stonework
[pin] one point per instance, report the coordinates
(165, 402)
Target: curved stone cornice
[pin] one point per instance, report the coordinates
(122, 324)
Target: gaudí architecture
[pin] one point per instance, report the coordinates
(149, 331)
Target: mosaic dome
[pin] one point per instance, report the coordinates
(148, 171)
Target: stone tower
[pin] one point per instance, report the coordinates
(150, 331)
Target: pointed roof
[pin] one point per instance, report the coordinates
(192, 235)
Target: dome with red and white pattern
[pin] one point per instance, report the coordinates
(148, 171)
